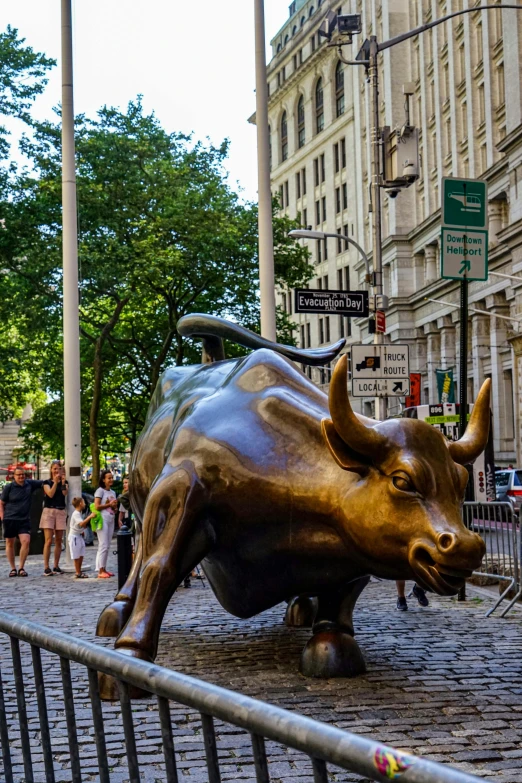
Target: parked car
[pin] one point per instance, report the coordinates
(509, 487)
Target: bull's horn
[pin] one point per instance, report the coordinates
(361, 439)
(474, 440)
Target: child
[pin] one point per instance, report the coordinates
(76, 536)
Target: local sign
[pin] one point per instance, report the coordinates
(464, 236)
(348, 303)
(380, 370)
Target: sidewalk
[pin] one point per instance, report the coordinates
(443, 682)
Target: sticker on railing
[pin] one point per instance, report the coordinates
(392, 763)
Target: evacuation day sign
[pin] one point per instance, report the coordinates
(464, 236)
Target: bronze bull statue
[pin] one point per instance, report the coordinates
(281, 493)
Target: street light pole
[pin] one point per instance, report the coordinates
(71, 326)
(373, 74)
(266, 240)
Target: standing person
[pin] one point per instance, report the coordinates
(105, 502)
(417, 591)
(15, 509)
(124, 516)
(76, 536)
(54, 516)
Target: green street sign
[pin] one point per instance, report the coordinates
(464, 254)
(464, 203)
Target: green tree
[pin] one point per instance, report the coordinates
(162, 234)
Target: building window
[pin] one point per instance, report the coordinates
(339, 89)
(303, 181)
(317, 212)
(324, 208)
(310, 12)
(295, 62)
(303, 20)
(300, 56)
(312, 43)
(341, 326)
(325, 283)
(286, 40)
(316, 172)
(319, 106)
(298, 184)
(281, 196)
(323, 169)
(301, 122)
(303, 344)
(345, 196)
(305, 218)
(343, 153)
(346, 278)
(284, 137)
(327, 328)
(287, 194)
(325, 252)
(270, 146)
(339, 250)
(338, 204)
(336, 157)
(308, 337)
(321, 330)
(283, 72)
(294, 30)
(319, 251)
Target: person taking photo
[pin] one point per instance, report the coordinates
(54, 516)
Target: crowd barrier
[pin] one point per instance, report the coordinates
(499, 527)
(270, 728)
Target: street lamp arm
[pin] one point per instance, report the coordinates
(412, 33)
(356, 246)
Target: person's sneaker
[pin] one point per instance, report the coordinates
(402, 606)
(48, 572)
(420, 595)
(58, 570)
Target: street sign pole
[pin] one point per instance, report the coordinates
(463, 381)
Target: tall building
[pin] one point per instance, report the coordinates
(467, 105)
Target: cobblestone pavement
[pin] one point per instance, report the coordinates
(443, 682)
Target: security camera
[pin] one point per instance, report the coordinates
(349, 24)
(393, 192)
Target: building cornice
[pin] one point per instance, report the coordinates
(511, 141)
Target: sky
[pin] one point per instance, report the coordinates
(193, 64)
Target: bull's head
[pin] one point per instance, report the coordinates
(412, 485)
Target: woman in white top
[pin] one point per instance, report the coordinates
(105, 502)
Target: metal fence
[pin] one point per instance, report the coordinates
(322, 744)
(497, 524)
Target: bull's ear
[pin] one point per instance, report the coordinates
(342, 454)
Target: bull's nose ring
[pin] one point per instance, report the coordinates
(446, 541)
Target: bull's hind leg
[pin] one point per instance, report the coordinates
(175, 538)
(301, 612)
(111, 621)
(332, 651)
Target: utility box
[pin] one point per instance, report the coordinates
(401, 157)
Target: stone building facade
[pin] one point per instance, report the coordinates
(467, 106)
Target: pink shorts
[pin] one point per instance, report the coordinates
(54, 519)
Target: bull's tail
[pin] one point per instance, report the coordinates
(212, 331)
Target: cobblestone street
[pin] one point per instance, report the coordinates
(443, 682)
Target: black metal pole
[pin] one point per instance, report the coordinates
(463, 376)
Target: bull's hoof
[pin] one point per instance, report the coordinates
(332, 654)
(113, 618)
(300, 612)
(108, 686)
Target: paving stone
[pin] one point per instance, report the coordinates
(443, 682)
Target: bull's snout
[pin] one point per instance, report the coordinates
(465, 549)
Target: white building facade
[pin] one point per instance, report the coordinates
(467, 106)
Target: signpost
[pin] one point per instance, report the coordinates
(353, 304)
(464, 256)
(380, 370)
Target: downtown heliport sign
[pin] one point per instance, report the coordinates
(464, 235)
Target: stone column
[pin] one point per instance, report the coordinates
(430, 264)
(516, 344)
(448, 345)
(495, 215)
(418, 271)
(496, 303)
(433, 359)
(479, 347)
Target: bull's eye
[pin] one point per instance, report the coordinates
(403, 483)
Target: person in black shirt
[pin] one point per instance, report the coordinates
(54, 516)
(15, 507)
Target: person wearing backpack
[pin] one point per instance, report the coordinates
(15, 509)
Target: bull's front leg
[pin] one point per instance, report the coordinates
(332, 651)
(175, 538)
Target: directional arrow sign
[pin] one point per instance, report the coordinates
(378, 387)
(380, 370)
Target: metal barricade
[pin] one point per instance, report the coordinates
(498, 526)
(324, 745)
